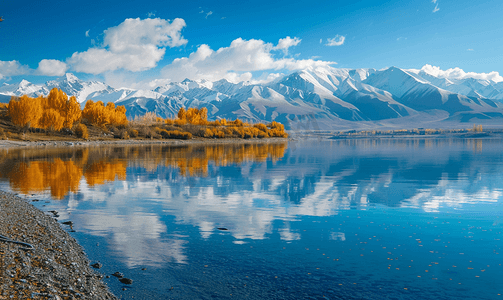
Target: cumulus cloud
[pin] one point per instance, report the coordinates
(12, 68)
(338, 40)
(51, 67)
(208, 14)
(457, 73)
(87, 33)
(134, 45)
(284, 44)
(236, 62)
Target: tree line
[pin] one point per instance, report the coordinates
(58, 111)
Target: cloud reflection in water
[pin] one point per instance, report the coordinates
(256, 190)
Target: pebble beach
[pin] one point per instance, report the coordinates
(55, 267)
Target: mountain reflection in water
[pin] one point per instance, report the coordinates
(382, 213)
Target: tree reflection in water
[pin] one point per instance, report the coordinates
(61, 170)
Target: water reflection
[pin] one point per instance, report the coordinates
(61, 170)
(160, 205)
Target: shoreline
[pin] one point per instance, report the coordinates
(6, 144)
(57, 266)
(11, 144)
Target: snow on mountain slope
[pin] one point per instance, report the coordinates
(23, 88)
(73, 86)
(328, 95)
(396, 81)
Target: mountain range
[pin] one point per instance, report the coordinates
(313, 98)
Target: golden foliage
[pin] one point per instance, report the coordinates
(180, 122)
(99, 114)
(193, 116)
(25, 111)
(103, 171)
(277, 130)
(175, 134)
(59, 176)
(194, 160)
(51, 119)
(71, 112)
(55, 111)
(223, 128)
(214, 133)
(101, 165)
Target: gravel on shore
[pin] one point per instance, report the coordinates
(8, 144)
(57, 267)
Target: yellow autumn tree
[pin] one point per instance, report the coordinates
(117, 115)
(56, 100)
(54, 111)
(71, 112)
(182, 114)
(67, 108)
(192, 116)
(25, 110)
(98, 114)
(95, 113)
(51, 119)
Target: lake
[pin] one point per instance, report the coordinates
(307, 219)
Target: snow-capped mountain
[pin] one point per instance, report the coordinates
(22, 88)
(82, 90)
(331, 97)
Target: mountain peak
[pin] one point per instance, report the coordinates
(71, 78)
(24, 83)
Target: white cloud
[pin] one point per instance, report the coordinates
(470, 49)
(208, 14)
(12, 68)
(436, 8)
(434, 1)
(134, 45)
(151, 14)
(457, 73)
(87, 33)
(338, 40)
(51, 67)
(284, 44)
(235, 62)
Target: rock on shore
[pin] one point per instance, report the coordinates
(57, 267)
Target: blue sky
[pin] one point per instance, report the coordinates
(116, 41)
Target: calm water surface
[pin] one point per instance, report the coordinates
(311, 219)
